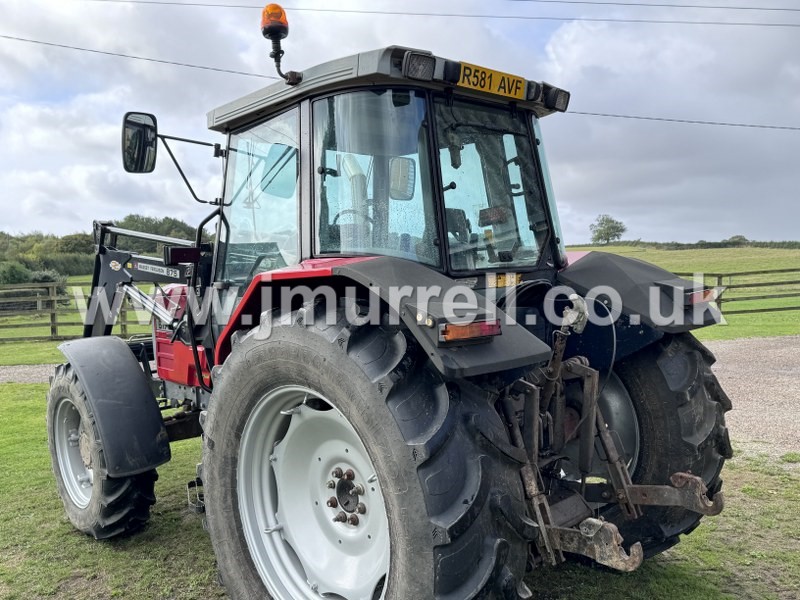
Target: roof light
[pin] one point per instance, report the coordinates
(419, 66)
(274, 24)
(475, 332)
(275, 27)
(555, 98)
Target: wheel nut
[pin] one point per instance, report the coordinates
(361, 508)
(358, 489)
(331, 484)
(353, 520)
(332, 502)
(337, 473)
(349, 475)
(340, 518)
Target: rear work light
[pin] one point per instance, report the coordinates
(468, 332)
(419, 66)
(556, 98)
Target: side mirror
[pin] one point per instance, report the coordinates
(402, 178)
(139, 142)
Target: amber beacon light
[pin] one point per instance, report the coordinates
(275, 27)
(274, 24)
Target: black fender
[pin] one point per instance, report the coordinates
(515, 348)
(126, 412)
(635, 327)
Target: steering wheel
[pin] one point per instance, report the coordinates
(351, 211)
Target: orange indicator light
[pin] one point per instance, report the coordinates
(452, 332)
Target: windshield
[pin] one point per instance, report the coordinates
(494, 204)
(372, 170)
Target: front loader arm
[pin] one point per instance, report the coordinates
(116, 271)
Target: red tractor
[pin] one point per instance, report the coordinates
(405, 387)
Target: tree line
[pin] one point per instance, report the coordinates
(42, 257)
(608, 231)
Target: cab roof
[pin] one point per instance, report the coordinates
(377, 67)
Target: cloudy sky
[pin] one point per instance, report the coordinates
(61, 109)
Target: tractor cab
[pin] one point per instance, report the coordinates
(394, 152)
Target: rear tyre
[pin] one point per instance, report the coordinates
(294, 412)
(96, 504)
(680, 410)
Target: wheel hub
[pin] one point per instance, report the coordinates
(347, 495)
(620, 415)
(84, 445)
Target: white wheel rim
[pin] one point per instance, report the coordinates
(292, 447)
(72, 452)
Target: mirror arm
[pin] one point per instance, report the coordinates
(178, 166)
(218, 150)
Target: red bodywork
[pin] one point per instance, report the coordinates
(248, 311)
(174, 359)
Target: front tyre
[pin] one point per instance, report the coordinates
(337, 464)
(96, 504)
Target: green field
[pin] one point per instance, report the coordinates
(751, 551)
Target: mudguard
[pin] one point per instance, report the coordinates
(515, 348)
(633, 280)
(125, 410)
(635, 326)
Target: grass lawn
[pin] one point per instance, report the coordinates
(42, 556)
(752, 550)
(712, 260)
(29, 353)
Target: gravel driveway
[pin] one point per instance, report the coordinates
(761, 376)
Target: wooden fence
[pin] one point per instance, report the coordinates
(48, 311)
(756, 291)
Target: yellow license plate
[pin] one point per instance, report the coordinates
(501, 280)
(493, 82)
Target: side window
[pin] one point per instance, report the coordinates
(261, 198)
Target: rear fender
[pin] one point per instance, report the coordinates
(635, 281)
(132, 433)
(640, 284)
